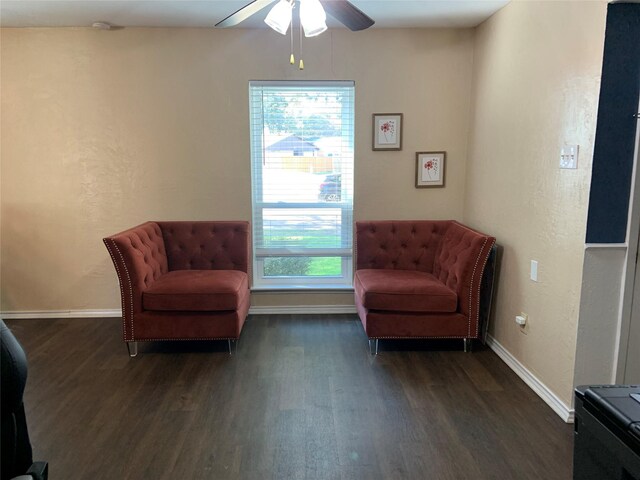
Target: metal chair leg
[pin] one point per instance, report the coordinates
(233, 346)
(132, 348)
(467, 345)
(372, 350)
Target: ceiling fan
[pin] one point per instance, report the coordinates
(342, 10)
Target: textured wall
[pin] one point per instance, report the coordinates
(102, 130)
(536, 81)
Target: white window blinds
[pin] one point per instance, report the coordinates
(302, 181)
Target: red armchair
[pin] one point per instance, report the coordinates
(182, 280)
(419, 279)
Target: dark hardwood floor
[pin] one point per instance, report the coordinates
(301, 399)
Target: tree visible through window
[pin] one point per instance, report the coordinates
(302, 182)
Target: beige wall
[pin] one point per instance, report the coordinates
(536, 83)
(102, 130)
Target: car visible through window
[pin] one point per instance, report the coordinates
(330, 188)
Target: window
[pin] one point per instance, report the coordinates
(302, 182)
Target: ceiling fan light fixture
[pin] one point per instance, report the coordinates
(312, 17)
(279, 18)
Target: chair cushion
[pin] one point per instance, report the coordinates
(403, 291)
(197, 290)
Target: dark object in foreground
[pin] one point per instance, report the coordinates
(607, 433)
(16, 447)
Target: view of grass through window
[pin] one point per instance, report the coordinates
(302, 266)
(302, 179)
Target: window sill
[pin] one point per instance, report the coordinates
(303, 288)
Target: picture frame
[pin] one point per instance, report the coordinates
(430, 169)
(387, 131)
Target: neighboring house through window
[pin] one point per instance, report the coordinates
(302, 182)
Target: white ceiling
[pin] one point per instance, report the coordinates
(206, 13)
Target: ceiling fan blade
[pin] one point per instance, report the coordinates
(245, 12)
(348, 14)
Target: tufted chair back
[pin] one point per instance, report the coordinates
(206, 245)
(403, 244)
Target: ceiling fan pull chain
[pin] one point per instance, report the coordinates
(301, 66)
(292, 59)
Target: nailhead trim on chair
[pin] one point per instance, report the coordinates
(486, 258)
(115, 263)
(124, 304)
(473, 274)
(477, 312)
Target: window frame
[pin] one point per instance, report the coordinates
(260, 281)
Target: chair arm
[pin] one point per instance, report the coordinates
(460, 264)
(139, 257)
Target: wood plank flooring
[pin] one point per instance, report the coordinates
(301, 399)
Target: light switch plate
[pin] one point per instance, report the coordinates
(569, 156)
(534, 270)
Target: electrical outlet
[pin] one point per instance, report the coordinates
(523, 322)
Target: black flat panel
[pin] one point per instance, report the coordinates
(616, 126)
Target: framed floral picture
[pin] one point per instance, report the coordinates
(430, 169)
(387, 131)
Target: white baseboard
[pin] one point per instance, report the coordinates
(302, 309)
(38, 314)
(116, 312)
(564, 411)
